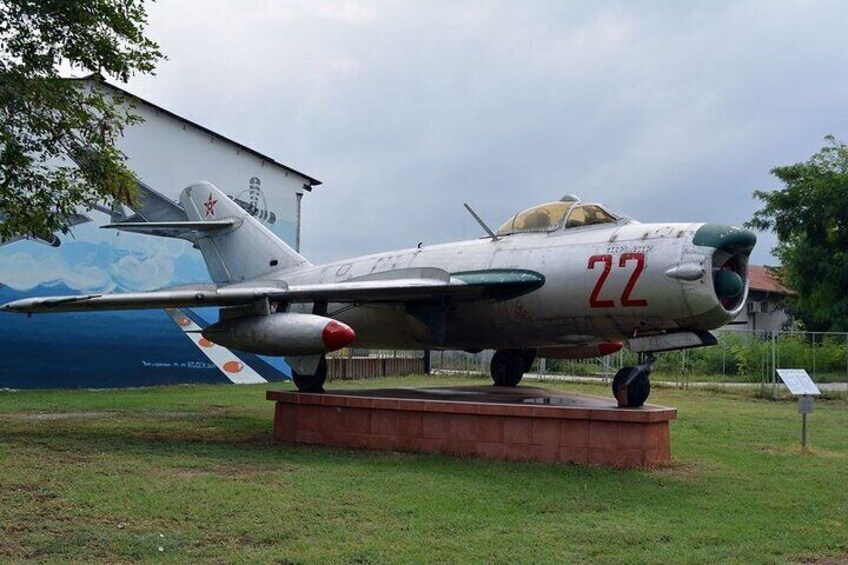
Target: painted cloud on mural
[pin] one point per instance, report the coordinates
(100, 267)
(25, 270)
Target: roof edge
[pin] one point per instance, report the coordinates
(95, 77)
(763, 278)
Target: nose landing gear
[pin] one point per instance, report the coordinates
(632, 385)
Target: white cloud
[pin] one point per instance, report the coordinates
(86, 268)
(406, 109)
(140, 273)
(21, 271)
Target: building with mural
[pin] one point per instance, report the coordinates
(136, 348)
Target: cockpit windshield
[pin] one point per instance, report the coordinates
(588, 215)
(550, 216)
(544, 217)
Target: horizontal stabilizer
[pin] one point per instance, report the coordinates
(155, 207)
(181, 230)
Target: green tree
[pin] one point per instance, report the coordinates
(810, 217)
(57, 136)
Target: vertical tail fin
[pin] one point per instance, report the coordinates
(246, 250)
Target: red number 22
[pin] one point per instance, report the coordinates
(594, 299)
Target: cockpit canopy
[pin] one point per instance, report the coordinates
(569, 211)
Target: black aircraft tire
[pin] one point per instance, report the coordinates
(634, 395)
(311, 383)
(529, 357)
(507, 368)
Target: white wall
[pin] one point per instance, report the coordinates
(770, 319)
(169, 155)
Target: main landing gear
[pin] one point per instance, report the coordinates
(632, 385)
(314, 382)
(509, 365)
(312, 376)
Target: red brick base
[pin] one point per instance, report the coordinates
(522, 423)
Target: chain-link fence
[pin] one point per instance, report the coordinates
(740, 357)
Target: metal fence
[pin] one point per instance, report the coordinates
(741, 356)
(355, 364)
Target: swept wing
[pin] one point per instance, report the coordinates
(431, 285)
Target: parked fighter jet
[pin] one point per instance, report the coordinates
(565, 279)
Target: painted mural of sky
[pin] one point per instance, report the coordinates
(664, 110)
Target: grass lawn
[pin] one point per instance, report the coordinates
(189, 473)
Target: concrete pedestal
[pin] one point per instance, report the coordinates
(520, 423)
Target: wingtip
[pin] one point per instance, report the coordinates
(22, 306)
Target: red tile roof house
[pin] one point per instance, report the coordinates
(764, 311)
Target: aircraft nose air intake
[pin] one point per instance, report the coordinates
(337, 335)
(725, 238)
(729, 261)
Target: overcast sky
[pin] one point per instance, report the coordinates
(667, 111)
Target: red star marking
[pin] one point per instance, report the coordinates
(209, 204)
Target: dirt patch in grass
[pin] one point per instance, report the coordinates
(772, 449)
(224, 471)
(105, 414)
(678, 470)
(50, 416)
(793, 450)
(817, 452)
(816, 560)
(170, 414)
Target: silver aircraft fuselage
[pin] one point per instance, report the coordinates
(603, 283)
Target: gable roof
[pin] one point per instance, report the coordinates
(310, 180)
(763, 279)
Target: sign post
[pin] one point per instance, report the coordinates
(801, 385)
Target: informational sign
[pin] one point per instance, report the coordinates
(801, 385)
(798, 382)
